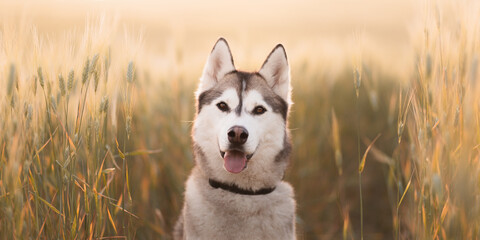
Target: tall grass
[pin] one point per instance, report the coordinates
(66, 141)
(95, 145)
(442, 169)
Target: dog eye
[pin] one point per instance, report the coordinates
(259, 110)
(223, 106)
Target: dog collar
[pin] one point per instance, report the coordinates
(235, 189)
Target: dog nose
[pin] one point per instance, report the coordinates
(237, 135)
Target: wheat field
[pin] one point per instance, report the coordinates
(97, 104)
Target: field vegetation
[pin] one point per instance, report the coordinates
(96, 113)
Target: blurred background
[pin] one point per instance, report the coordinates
(186, 30)
(97, 103)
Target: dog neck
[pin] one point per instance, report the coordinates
(237, 190)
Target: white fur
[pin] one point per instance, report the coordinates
(265, 138)
(221, 215)
(277, 73)
(218, 64)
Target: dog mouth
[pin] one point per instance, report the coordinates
(235, 161)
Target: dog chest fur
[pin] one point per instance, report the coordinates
(211, 213)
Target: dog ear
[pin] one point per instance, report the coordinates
(219, 63)
(276, 72)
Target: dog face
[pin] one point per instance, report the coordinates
(240, 126)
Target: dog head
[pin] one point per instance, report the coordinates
(240, 128)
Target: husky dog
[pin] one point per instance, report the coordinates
(241, 146)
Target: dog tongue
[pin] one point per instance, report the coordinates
(235, 161)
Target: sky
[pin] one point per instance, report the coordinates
(315, 30)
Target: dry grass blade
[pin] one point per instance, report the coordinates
(46, 217)
(138, 153)
(405, 192)
(120, 153)
(2, 156)
(122, 209)
(378, 154)
(46, 143)
(114, 237)
(364, 158)
(108, 170)
(100, 170)
(442, 218)
(128, 182)
(336, 143)
(111, 220)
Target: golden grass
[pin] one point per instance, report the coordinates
(94, 132)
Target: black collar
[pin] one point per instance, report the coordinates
(235, 189)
